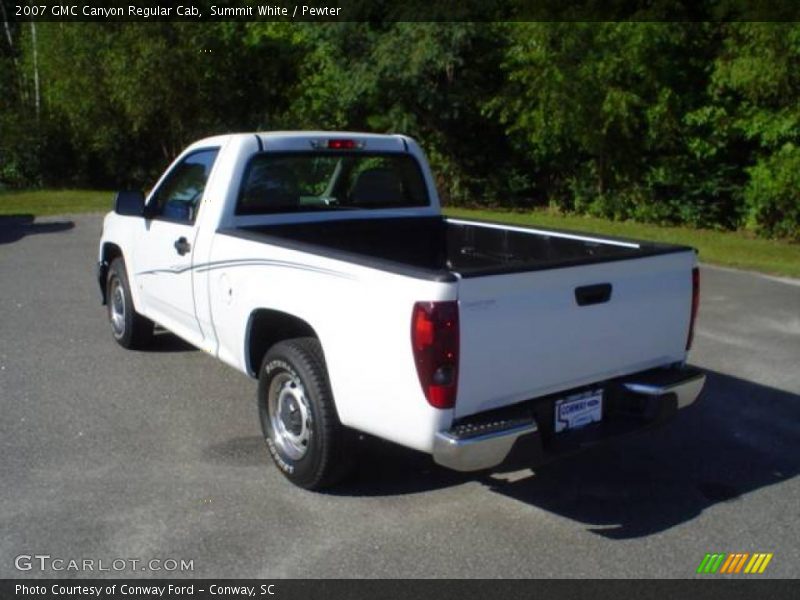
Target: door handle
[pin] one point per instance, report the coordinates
(593, 294)
(182, 246)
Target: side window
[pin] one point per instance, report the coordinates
(178, 196)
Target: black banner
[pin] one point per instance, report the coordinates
(393, 10)
(342, 589)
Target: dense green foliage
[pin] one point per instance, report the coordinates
(679, 123)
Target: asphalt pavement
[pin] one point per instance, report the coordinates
(107, 454)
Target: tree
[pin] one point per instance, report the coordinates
(122, 91)
(602, 109)
(660, 121)
(757, 74)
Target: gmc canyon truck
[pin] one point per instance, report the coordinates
(320, 264)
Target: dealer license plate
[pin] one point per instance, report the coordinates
(579, 410)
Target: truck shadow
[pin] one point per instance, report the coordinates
(15, 227)
(740, 436)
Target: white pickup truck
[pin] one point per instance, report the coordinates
(320, 264)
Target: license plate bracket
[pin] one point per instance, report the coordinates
(578, 410)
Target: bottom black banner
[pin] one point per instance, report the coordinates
(383, 589)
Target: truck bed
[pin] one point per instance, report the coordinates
(440, 248)
(528, 326)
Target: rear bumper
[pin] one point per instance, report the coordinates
(685, 385)
(479, 452)
(631, 404)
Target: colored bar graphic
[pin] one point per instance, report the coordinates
(753, 563)
(733, 563)
(764, 564)
(703, 563)
(718, 563)
(727, 566)
(741, 562)
(711, 563)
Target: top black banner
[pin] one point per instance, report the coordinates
(409, 10)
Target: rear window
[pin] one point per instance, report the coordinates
(280, 183)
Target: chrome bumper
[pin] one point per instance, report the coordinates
(477, 447)
(480, 451)
(687, 390)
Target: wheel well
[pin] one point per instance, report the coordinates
(268, 327)
(110, 252)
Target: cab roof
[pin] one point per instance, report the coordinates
(300, 140)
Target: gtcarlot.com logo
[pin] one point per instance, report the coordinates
(735, 563)
(46, 562)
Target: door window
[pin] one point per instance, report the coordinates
(178, 197)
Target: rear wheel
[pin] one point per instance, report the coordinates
(130, 329)
(304, 436)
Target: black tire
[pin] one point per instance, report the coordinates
(130, 329)
(304, 436)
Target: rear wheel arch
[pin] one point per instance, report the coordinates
(267, 327)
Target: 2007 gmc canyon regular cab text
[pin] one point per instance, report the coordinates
(320, 264)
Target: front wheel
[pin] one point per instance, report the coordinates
(298, 417)
(129, 328)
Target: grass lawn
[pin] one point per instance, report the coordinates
(729, 249)
(721, 248)
(54, 202)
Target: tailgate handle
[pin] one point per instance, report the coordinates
(593, 294)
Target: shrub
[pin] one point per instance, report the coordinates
(772, 195)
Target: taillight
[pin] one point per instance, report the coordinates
(695, 305)
(434, 339)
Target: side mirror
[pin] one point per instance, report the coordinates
(129, 203)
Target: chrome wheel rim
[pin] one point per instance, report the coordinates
(116, 307)
(289, 415)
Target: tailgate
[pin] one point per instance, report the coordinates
(524, 335)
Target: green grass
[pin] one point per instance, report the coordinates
(729, 249)
(54, 202)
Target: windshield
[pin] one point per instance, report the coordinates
(279, 183)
